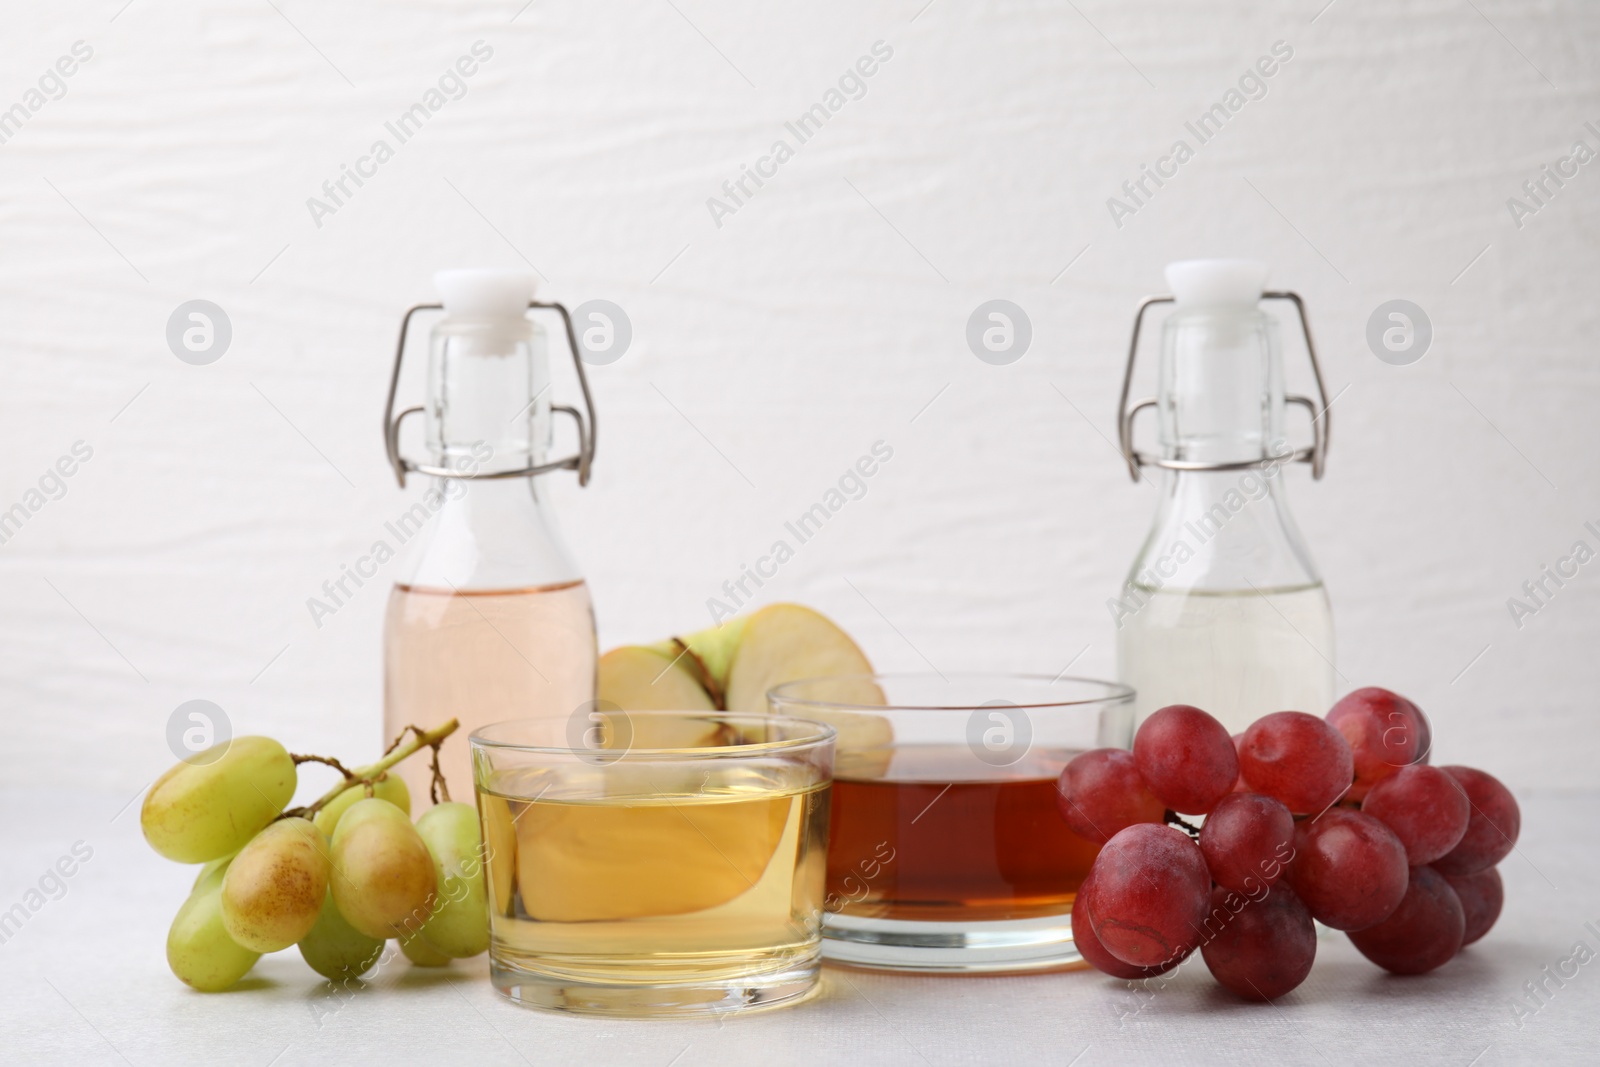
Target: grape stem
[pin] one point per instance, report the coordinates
(328, 760)
(1172, 818)
(363, 777)
(437, 785)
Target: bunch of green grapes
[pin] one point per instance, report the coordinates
(337, 879)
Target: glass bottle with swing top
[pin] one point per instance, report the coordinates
(1223, 607)
(489, 618)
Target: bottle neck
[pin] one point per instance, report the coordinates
(1221, 387)
(489, 410)
(488, 395)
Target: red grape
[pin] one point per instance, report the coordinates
(1481, 896)
(1239, 784)
(1425, 807)
(1492, 828)
(1100, 792)
(1424, 931)
(1296, 758)
(1349, 869)
(1147, 895)
(1186, 758)
(1095, 953)
(1385, 731)
(1247, 841)
(1264, 947)
(1395, 852)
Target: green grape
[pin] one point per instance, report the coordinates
(458, 923)
(335, 949)
(273, 890)
(199, 811)
(383, 876)
(199, 950)
(421, 953)
(211, 874)
(390, 787)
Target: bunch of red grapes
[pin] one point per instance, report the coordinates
(1340, 820)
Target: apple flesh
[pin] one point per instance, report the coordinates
(785, 643)
(637, 678)
(641, 678)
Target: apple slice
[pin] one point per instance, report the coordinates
(640, 678)
(732, 666)
(500, 843)
(637, 678)
(785, 643)
(711, 653)
(584, 863)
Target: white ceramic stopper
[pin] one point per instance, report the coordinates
(485, 293)
(1218, 283)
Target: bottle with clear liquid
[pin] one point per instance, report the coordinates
(1223, 607)
(489, 618)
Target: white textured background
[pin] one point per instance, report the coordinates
(824, 315)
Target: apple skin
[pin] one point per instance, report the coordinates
(712, 650)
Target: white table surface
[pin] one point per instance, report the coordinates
(85, 981)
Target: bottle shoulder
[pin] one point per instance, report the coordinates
(1224, 533)
(489, 536)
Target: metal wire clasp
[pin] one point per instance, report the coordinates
(1315, 454)
(581, 461)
